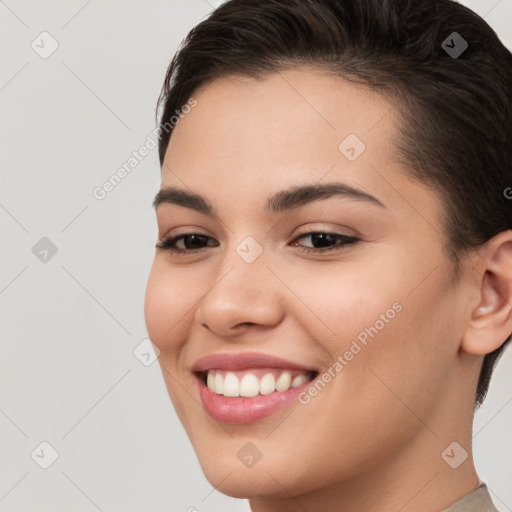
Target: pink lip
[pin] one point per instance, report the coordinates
(240, 361)
(243, 410)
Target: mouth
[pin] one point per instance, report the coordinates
(252, 382)
(246, 396)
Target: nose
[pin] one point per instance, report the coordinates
(243, 296)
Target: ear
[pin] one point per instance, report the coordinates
(491, 320)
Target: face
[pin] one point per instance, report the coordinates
(373, 312)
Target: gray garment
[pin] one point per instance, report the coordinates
(477, 501)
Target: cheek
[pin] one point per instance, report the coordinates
(166, 306)
(408, 359)
(384, 321)
(351, 301)
(165, 309)
(394, 355)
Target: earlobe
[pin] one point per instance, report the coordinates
(491, 320)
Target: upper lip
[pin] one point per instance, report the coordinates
(242, 360)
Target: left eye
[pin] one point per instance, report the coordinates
(324, 239)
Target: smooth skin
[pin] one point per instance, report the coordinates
(372, 439)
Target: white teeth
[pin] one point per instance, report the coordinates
(300, 379)
(267, 384)
(218, 383)
(210, 381)
(284, 381)
(231, 385)
(249, 385)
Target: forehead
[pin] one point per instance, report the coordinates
(287, 128)
(282, 111)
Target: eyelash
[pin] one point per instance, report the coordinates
(346, 241)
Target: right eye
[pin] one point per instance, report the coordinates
(193, 239)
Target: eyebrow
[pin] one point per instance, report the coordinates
(285, 200)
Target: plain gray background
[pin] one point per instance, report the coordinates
(71, 320)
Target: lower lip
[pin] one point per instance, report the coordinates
(244, 410)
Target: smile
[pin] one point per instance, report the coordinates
(241, 388)
(232, 407)
(254, 382)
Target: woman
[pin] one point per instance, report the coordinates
(332, 284)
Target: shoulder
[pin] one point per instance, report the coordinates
(477, 501)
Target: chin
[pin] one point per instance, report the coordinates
(264, 479)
